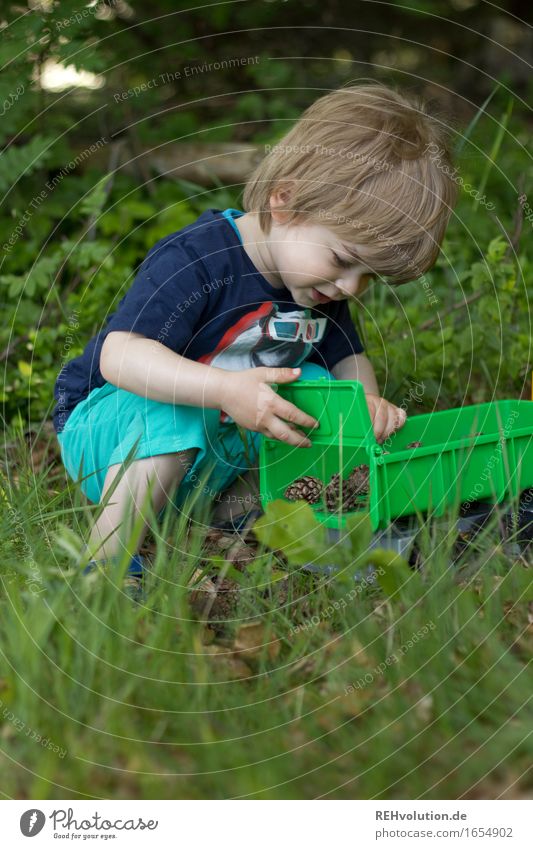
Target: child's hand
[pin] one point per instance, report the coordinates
(250, 400)
(386, 417)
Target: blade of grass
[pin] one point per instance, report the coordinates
(472, 125)
(494, 152)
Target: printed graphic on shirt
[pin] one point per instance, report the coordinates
(268, 337)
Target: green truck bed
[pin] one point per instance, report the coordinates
(473, 453)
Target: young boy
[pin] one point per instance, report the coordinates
(235, 303)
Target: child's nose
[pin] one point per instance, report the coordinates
(353, 284)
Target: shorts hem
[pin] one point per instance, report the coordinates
(145, 449)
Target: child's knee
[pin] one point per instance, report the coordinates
(174, 464)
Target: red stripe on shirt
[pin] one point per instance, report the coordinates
(235, 330)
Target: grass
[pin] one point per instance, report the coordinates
(304, 687)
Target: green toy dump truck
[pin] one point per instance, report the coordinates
(437, 460)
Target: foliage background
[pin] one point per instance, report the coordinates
(75, 236)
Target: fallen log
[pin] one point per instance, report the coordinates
(210, 164)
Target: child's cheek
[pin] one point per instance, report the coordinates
(301, 267)
(321, 274)
(309, 267)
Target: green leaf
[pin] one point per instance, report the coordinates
(392, 570)
(39, 278)
(93, 203)
(17, 162)
(293, 528)
(219, 564)
(359, 532)
(24, 368)
(496, 249)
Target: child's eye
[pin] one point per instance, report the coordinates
(342, 263)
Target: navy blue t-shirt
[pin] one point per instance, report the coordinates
(198, 292)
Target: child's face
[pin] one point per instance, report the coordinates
(313, 264)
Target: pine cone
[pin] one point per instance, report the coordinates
(306, 488)
(332, 493)
(355, 485)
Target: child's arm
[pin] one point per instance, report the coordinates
(357, 367)
(148, 368)
(386, 417)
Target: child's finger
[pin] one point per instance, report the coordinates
(279, 375)
(285, 433)
(380, 422)
(285, 410)
(397, 418)
(401, 417)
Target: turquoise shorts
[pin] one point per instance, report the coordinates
(112, 424)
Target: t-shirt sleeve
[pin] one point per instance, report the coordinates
(165, 300)
(340, 340)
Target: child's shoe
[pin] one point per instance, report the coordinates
(134, 578)
(239, 523)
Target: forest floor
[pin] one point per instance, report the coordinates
(238, 676)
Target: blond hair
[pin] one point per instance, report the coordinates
(362, 161)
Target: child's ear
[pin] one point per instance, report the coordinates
(280, 201)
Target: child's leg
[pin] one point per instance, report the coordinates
(158, 443)
(239, 498)
(113, 528)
